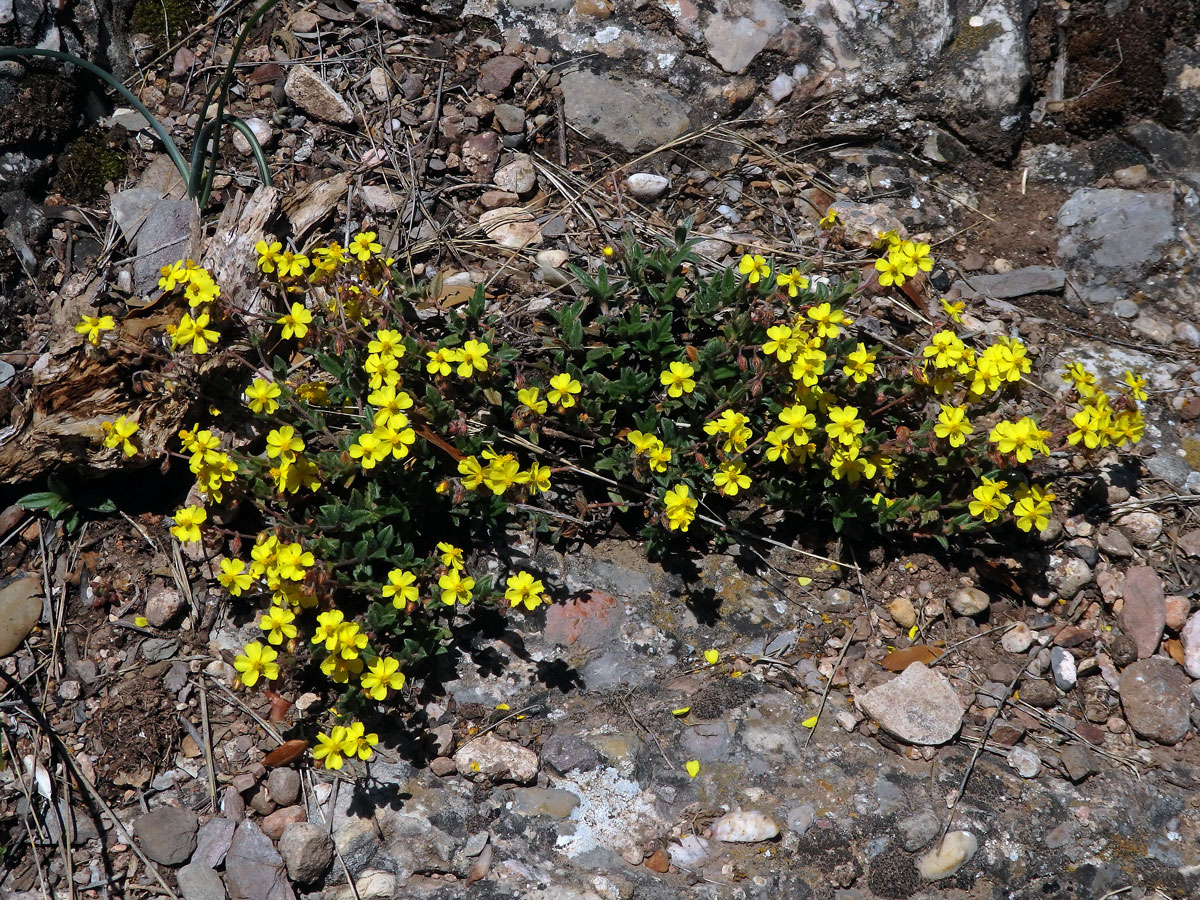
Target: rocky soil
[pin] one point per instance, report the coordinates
(1043, 716)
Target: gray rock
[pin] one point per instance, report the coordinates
(311, 93)
(213, 840)
(633, 115)
(283, 785)
(130, 207)
(733, 43)
(553, 802)
(20, 609)
(171, 229)
(781, 87)
(1080, 763)
(163, 603)
(168, 834)
(1024, 762)
(1017, 283)
(200, 883)
(262, 131)
(1181, 96)
(254, 870)
(510, 118)
(1041, 694)
(1143, 612)
(517, 177)
(307, 851)
(969, 601)
(497, 74)
(1062, 667)
(917, 830)
(1068, 575)
(1017, 639)
(1114, 542)
(1142, 527)
(382, 12)
(1108, 237)
(1190, 638)
(491, 758)
(647, 185)
(1084, 549)
(1155, 694)
(1126, 309)
(918, 706)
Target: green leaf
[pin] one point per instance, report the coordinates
(38, 500)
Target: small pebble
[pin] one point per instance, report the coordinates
(1017, 639)
(954, 852)
(1024, 762)
(1062, 666)
(969, 601)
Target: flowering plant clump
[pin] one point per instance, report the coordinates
(393, 435)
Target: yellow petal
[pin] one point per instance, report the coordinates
(502, 706)
(810, 722)
(711, 656)
(693, 767)
(804, 581)
(912, 632)
(682, 711)
(141, 621)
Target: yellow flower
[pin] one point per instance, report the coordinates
(201, 288)
(844, 424)
(172, 275)
(1135, 384)
(234, 577)
(255, 660)
(917, 254)
(93, 327)
(389, 402)
(472, 357)
(1032, 510)
(361, 744)
(401, 587)
(754, 267)
(295, 323)
(797, 420)
(563, 389)
(451, 556)
(284, 442)
(268, 255)
(118, 434)
(782, 343)
(792, 282)
(291, 263)
(363, 245)
(395, 437)
(860, 364)
(332, 748)
(829, 219)
(262, 396)
(529, 396)
(680, 507)
(953, 310)
(471, 471)
(440, 360)
(387, 342)
(524, 588)
(187, 523)
(828, 319)
(953, 425)
(194, 331)
(946, 350)
(990, 499)
(368, 450)
(731, 477)
(277, 623)
(677, 379)
(538, 478)
(456, 587)
(658, 456)
(891, 272)
(381, 675)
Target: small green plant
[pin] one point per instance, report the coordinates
(61, 505)
(396, 439)
(198, 174)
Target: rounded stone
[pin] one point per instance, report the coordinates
(970, 601)
(1017, 639)
(168, 834)
(307, 851)
(1156, 696)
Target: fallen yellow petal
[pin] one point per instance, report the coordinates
(711, 656)
(693, 767)
(141, 621)
(682, 711)
(912, 632)
(502, 706)
(804, 581)
(810, 722)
